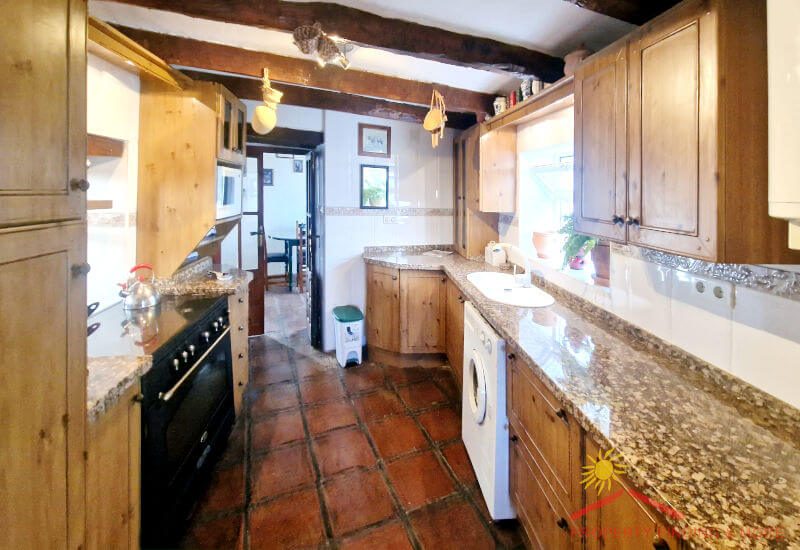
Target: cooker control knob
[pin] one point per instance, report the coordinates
(176, 364)
(206, 336)
(191, 349)
(215, 325)
(221, 321)
(185, 355)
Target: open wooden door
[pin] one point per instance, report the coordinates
(253, 253)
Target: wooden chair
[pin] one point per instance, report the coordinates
(283, 258)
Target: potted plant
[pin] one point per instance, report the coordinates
(576, 246)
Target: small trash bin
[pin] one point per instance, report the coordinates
(348, 326)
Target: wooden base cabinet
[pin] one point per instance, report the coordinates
(240, 345)
(383, 308)
(423, 311)
(455, 331)
(113, 475)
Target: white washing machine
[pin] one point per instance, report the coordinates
(484, 423)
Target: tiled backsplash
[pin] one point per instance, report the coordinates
(749, 330)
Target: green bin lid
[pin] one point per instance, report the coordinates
(347, 314)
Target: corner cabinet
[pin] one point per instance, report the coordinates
(671, 137)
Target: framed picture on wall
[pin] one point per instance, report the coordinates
(268, 177)
(374, 141)
(298, 166)
(374, 186)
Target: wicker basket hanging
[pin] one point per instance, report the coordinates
(328, 50)
(306, 37)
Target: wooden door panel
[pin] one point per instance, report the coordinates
(455, 331)
(423, 305)
(601, 145)
(383, 308)
(43, 400)
(44, 90)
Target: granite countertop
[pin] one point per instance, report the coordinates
(722, 453)
(119, 353)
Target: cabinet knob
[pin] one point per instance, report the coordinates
(461, 299)
(241, 356)
(632, 221)
(563, 524)
(394, 277)
(241, 300)
(79, 184)
(514, 438)
(659, 543)
(139, 397)
(618, 220)
(241, 383)
(81, 270)
(241, 328)
(562, 414)
(512, 357)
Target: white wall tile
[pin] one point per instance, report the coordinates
(649, 288)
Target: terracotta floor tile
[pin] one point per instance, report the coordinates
(452, 526)
(292, 521)
(389, 536)
(321, 388)
(356, 499)
(274, 398)
(234, 451)
(422, 395)
(225, 492)
(328, 416)
(225, 532)
(458, 459)
(419, 479)
(378, 404)
(401, 376)
(308, 367)
(264, 376)
(342, 449)
(280, 471)
(277, 430)
(362, 378)
(396, 435)
(448, 384)
(442, 424)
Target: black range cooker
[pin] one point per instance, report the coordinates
(187, 415)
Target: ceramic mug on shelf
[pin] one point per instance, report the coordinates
(500, 105)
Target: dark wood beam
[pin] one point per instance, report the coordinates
(187, 52)
(637, 12)
(368, 29)
(248, 88)
(287, 138)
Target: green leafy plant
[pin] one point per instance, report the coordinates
(575, 241)
(373, 196)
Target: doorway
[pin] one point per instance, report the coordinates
(279, 233)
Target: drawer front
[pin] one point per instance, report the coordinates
(545, 521)
(547, 430)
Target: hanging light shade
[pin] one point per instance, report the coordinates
(264, 118)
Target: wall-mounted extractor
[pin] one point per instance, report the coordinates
(783, 43)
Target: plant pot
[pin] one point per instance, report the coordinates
(577, 262)
(601, 258)
(547, 245)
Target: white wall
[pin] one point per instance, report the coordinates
(112, 111)
(420, 177)
(284, 202)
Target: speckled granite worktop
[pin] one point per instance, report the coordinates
(719, 451)
(120, 351)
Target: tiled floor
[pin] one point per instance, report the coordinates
(367, 457)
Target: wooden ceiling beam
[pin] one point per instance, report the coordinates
(188, 52)
(370, 30)
(248, 88)
(637, 12)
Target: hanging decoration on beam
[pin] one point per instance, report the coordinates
(436, 118)
(312, 40)
(265, 116)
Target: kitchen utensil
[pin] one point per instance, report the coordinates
(91, 308)
(138, 292)
(91, 328)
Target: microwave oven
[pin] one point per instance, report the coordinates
(229, 191)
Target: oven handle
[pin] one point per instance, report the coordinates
(166, 396)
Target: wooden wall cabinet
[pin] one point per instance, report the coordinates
(43, 393)
(113, 475)
(231, 128)
(498, 170)
(423, 311)
(383, 308)
(473, 229)
(696, 145)
(43, 106)
(240, 345)
(455, 331)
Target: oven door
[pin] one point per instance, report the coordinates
(229, 192)
(184, 430)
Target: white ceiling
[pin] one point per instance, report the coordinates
(553, 26)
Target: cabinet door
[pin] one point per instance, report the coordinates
(455, 330)
(383, 308)
(423, 306)
(459, 197)
(673, 134)
(241, 128)
(43, 390)
(43, 107)
(239, 316)
(601, 153)
(498, 170)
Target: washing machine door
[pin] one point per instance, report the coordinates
(475, 380)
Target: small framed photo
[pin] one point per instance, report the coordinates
(374, 186)
(298, 166)
(374, 141)
(267, 175)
